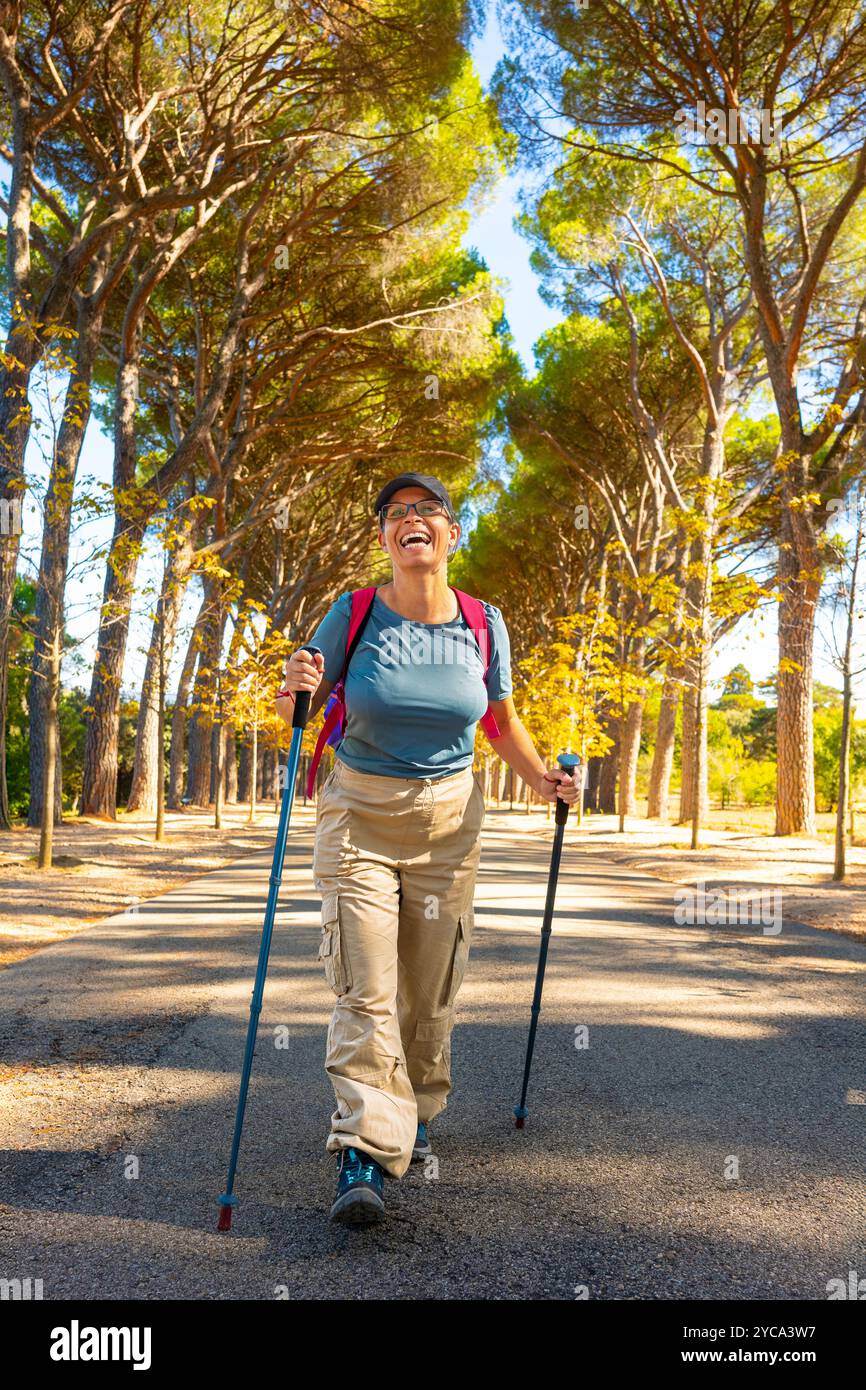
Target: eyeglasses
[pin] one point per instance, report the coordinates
(428, 506)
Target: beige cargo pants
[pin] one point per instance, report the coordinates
(395, 861)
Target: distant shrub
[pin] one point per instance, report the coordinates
(757, 783)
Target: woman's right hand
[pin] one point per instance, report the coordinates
(304, 671)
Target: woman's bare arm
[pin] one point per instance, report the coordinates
(516, 749)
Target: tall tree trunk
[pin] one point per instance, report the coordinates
(609, 771)
(142, 793)
(99, 796)
(244, 768)
(630, 730)
(21, 352)
(268, 773)
(848, 697)
(177, 756)
(8, 567)
(629, 754)
(254, 770)
(795, 768)
(658, 804)
(162, 677)
(49, 624)
(694, 790)
(844, 780)
(500, 776)
(799, 568)
(231, 779)
(593, 783)
(219, 762)
(261, 789)
(199, 776)
(46, 839)
(693, 729)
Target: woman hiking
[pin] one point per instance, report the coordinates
(398, 828)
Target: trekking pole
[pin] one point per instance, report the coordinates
(568, 762)
(299, 720)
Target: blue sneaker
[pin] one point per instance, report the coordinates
(360, 1182)
(423, 1148)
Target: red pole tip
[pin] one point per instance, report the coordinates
(518, 1123)
(225, 1221)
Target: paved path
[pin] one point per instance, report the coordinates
(120, 1052)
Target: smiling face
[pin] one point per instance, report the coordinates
(417, 542)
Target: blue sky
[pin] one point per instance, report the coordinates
(493, 233)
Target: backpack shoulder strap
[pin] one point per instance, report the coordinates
(476, 620)
(335, 709)
(362, 602)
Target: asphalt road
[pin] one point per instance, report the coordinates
(708, 1142)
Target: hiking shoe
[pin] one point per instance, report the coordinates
(423, 1148)
(360, 1180)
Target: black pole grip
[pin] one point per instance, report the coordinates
(569, 762)
(302, 706)
(302, 709)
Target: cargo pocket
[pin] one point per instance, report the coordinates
(432, 1030)
(460, 957)
(331, 949)
(428, 1056)
(354, 1056)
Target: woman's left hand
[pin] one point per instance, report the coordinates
(556, 783)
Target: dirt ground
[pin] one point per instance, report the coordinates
(102, 868)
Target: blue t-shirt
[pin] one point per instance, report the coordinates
(414, 691)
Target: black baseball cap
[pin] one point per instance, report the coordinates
(414, 480)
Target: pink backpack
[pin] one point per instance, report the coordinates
(335, 710)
